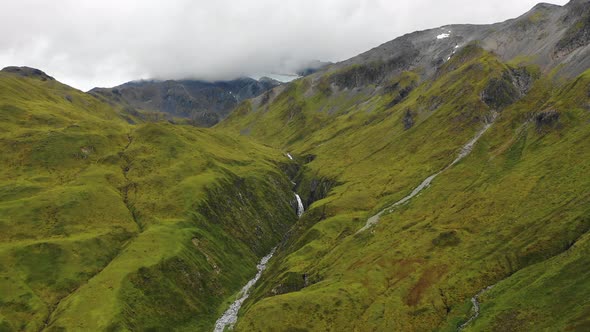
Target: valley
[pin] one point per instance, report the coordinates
(438, 182)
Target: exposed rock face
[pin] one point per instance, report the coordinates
(372, 72)
(550, 36)
(499, 93)
(315, 188)
(546, 119)
(28, 72)
(400, 93)
(522, 80)
(408, 120)
(204, 103)
(578, 34)
(504, 91)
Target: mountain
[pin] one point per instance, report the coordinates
(443, 178)
(203, 103)
(109, 225)
(444, 168)
(549, 36)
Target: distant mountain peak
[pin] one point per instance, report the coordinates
(203, 103)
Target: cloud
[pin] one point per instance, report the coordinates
(105, 43)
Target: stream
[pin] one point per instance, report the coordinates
(230, 316)
(465, 151)
(475, 302)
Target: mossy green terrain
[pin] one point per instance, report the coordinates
(111, 223)
(107, 225)
(513, 213)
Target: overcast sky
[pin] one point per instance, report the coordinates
(107, 42)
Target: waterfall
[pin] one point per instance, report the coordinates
(230, 316)
(300, 208)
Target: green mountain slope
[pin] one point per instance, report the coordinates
(513, 213)
(106, 225)
(444, 176)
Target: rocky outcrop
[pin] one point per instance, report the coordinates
(577, 36)
(408, 120)
(546, 119)
(399, 92)
(294, 282)
(504, 91)
(375, 72)
(499, 93)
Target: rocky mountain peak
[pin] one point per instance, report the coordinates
(573, 2)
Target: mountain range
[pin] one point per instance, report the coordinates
(200, 103)
(438, 182)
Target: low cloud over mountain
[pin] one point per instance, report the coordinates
(214, 40)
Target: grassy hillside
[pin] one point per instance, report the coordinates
(109, 225)
(514, 212)
(106, 225)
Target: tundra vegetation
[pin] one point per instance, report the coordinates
(112, 221)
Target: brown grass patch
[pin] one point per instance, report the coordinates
(428, 278)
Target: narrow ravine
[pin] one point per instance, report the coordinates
(230, 316)
(465, 151)
(475, 302)
(129, 185)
